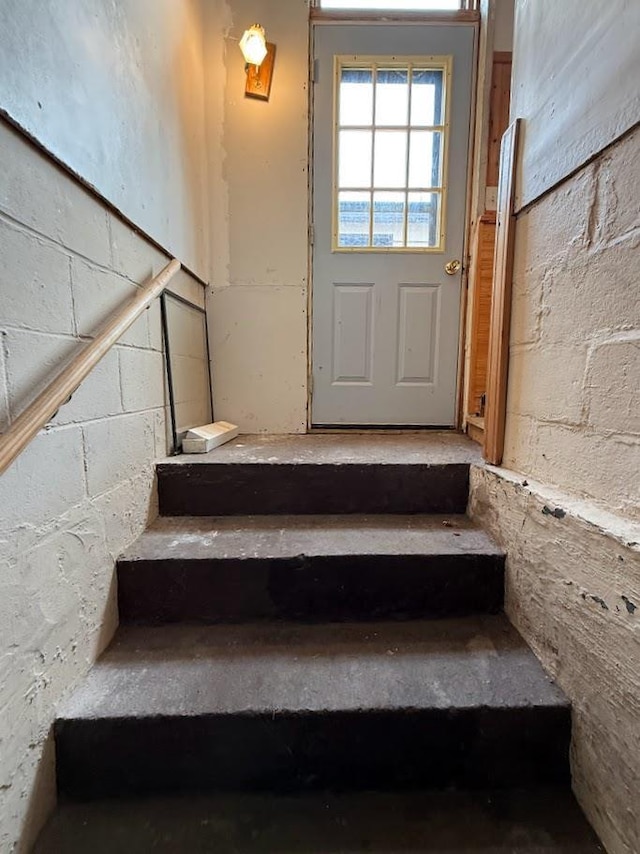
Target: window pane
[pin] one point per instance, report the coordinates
(423, 220)
(426, 97)
(392, 97)
(356, 96)
(390, 159)
(355, 158)
(390, 169)
(388, 219)
(391, 5)
(425, 161)
(354, 211)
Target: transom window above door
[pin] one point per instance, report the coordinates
(390, 161)
(395, 5)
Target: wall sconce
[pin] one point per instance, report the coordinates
(259, 56)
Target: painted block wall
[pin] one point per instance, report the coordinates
(573, 592)
(259, 238)
(573, 406)
(566, 505)
(83, 490)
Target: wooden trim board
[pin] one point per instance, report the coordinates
(498, 362)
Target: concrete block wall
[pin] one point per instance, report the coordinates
(573, 592)
(84, 489)
(573, 409)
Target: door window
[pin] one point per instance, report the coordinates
(390, 153)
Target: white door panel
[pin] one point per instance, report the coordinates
(391, 130)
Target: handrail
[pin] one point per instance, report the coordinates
(58, 392)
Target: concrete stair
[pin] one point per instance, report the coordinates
(320, 474)
(287, 707)
(309, 568)
(306, 619)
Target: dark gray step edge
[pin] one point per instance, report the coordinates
(217, 489)
(309, 588)
(387, 749)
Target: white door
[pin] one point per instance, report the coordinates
(391, 114)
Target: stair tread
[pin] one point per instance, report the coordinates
(280, 668)
(512, 822)
(219, 537)
(437, 448)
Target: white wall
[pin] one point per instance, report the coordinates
(115, 91)
(258, 302)
(576, 88)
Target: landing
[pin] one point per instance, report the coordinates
(438, 448)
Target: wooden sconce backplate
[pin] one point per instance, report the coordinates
(259, 76)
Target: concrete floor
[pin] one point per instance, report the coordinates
(540, 822)
(437, 447)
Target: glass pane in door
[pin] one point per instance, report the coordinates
(391, 136)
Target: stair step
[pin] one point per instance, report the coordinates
(288, 707)
(426, 473)
(499, 822)
(310, 568)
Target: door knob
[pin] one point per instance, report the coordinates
(452, 267)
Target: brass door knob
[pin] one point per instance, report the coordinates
(452, 267)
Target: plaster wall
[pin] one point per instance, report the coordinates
(259, 236)
(573, 406)
(115, 91)
(575, 84)
(83, 490)
(573, 591)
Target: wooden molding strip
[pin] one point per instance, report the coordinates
(58, 392)
(498, 362)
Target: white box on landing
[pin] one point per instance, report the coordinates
(201, 440)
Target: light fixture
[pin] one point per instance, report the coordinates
(253, 45)
(259, 56)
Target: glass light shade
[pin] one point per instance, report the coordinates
(253, 45)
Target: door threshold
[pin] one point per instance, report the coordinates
(381, 428)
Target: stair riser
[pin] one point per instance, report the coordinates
(310, 589)
(201, 489)
(382, 750)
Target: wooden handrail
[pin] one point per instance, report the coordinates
(58, 392)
